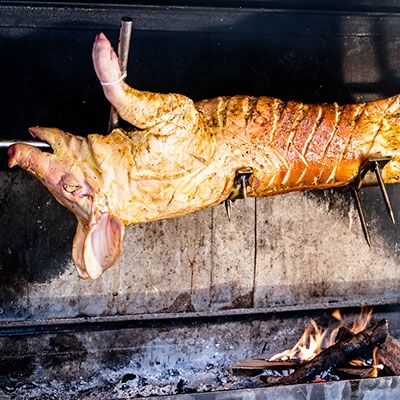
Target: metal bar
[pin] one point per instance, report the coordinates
(244, 186)
(29, 327)
(228, 208)
(383, 190)
(123, 52)
(124, 42)
(5, 143)
(362, 216)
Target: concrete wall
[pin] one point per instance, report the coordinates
(298, 249)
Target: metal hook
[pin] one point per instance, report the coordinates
(371, 175)
(239, 189)
(240, 184)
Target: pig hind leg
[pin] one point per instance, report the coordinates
(141, 109)
(106, 65)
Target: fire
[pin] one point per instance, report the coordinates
(315, 339)
(360, 323)
(309, 345)
(373, 364)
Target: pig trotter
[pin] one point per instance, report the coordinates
(108, 71)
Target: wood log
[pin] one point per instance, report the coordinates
(343, 333)
(355, 372)
(388, 354)
(338, 354)
(256, 366)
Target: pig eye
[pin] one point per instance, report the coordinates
(70, 188)
(73, 188)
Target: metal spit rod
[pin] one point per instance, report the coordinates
(123, 53)
(6, 143)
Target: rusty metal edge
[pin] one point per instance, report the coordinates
(37, 327)
(389, 387)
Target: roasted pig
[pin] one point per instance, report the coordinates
(182, 156)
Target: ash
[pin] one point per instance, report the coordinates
(131, 382)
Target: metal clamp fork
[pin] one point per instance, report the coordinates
(371, 175)
(239, 190)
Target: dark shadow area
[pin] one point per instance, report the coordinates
(331, 5)
(37, 234)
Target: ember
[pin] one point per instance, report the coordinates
(313, 340)
(349, 351)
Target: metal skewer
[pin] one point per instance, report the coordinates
(123, 52)
(6, 143)
(362, 215)
(383, 189)
(228, 208)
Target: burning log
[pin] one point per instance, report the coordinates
(343, 334)
(362, 369)
(338, 354)
(389, 355)
(359, 372)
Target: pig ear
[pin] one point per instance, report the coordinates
(77, 250)
(97, 246)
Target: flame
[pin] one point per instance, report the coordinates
(373, 364)
(309, 345)
(360, 323)
(314, 339)
(358, 363)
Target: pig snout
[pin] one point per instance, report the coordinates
(40, 164)
(13, 155)
(21, 154)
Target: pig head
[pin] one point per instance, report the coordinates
(72, 176)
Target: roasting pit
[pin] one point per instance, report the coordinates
(193, 296)
(191, 355)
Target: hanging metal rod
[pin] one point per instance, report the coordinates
(123, 53)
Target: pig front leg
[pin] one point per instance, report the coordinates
(141, 109)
